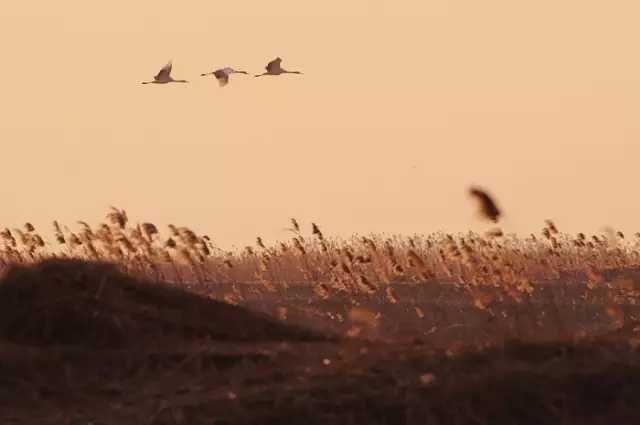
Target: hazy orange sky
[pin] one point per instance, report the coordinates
(402, 105)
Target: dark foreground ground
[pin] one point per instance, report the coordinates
(82, 344)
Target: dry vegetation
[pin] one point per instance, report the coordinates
(356, 265)
(487, 267)
(546, 286)
(115, 324)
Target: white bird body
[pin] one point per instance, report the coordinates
(222, 75)
(274, 68)
(164, 76)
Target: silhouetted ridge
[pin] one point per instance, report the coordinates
(73, 302)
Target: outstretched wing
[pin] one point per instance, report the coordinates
(274, 65)
(164, 72)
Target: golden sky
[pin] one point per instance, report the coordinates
(403, 104)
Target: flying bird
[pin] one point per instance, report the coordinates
(488, 207)
(274, 68)
(222, 75)
(164, 76)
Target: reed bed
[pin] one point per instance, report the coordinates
(485, 266)
(422, 322)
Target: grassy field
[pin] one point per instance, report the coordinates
(124, 324)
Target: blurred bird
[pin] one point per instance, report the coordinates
(222, 75)
(274, 68)
(488, 207)
(164, 76)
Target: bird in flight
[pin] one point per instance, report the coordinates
(164, 76)
(222, 75)
(274, 68)
(488, 207)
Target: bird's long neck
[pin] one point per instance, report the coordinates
(263, 74)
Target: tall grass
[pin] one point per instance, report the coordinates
(354, 265)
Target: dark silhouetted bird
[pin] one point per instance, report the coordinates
(488, 207)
